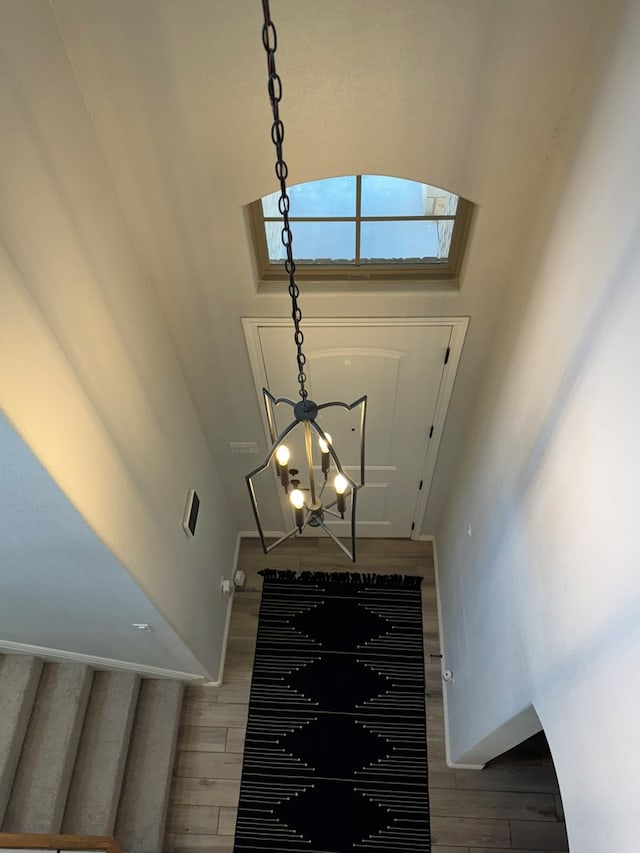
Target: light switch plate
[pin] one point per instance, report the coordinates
(243, 446)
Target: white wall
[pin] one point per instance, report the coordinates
(88, 375)
(542, 605)
(61, 589)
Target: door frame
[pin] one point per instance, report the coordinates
(459, 326)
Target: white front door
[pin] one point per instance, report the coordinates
(402, 366)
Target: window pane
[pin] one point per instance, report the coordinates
(314, 242)
(405, 242)
(331, 197)
(383, 196)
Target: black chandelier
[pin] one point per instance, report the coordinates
(316, 501)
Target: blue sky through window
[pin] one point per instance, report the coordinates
(381, 241)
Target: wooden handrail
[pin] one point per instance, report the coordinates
(48, 841)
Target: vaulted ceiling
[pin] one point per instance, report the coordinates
(461, 94)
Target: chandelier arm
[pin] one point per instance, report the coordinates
(309, 453)
(277, 400)
(350, 554)
(270, 403)
(282, 539)
(354, 494)
(330, 512)
(270, 415)
(348, 406)
(256, 512)
(363, 420)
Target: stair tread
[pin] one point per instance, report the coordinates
(102, 753)
(41, 783)
(19, 677)
(143, 804)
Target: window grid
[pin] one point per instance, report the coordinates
(407, 269)
(358, 218)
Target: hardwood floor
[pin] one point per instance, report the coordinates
(511, 805)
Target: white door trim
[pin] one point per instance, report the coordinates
(459, 325)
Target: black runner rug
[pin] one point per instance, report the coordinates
(335, 757)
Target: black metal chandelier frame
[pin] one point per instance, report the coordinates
(316, 512)
(310, 512)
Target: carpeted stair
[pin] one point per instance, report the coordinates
(85, 752)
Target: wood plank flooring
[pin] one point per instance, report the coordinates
(511, 805)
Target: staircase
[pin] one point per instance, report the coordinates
(86, 752)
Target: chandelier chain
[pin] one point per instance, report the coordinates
(274, 87)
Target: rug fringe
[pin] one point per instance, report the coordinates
(352, 578)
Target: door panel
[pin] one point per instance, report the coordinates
(400, 369)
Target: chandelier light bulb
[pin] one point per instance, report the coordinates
(340, 484)
(282, 455)
(282, 460)
(297, 501)
(297, 498)
(326, 458)
(324, 445)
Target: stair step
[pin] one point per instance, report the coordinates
(94, 794)
(41, 783)
(19, 677)
(143, 805)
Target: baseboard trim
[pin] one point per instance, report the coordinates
(227, 621)
(253, 534)
(64, 656)
(241, 534)
(455, 766)
(445, 686)
(223, 654)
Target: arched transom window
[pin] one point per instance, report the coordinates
(364, 228)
